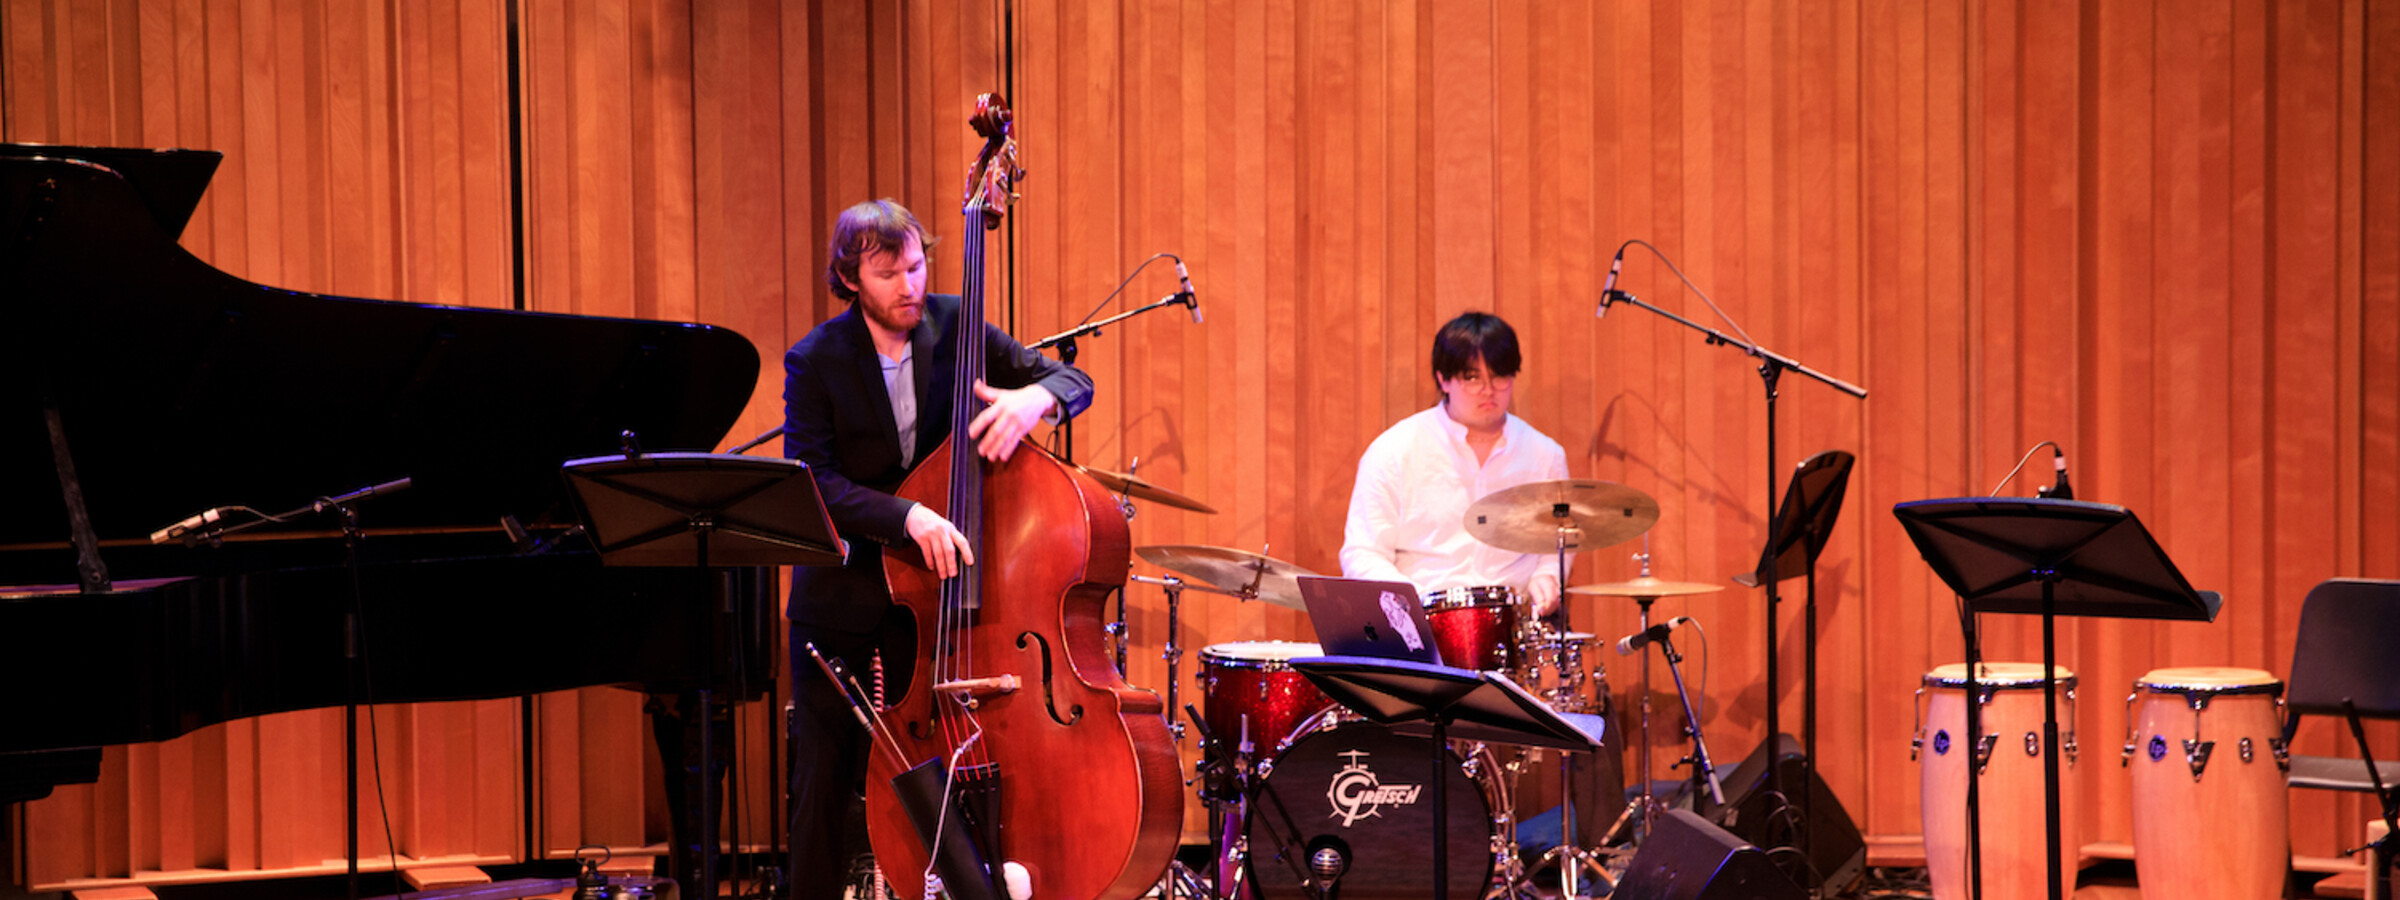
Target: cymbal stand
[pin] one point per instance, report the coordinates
(1572, 860)
(1178, 876)
(1117, 630)
(1647, 803)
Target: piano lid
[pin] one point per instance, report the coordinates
(182, 388)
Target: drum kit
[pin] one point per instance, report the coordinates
(1277, 754)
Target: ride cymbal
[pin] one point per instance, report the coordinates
(1646, 586)
(1531, 518)
(1132, 485)
(1238, 572)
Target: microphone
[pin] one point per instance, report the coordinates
(1633, 643)
(204, 518)
(1191, 298)
(2061, 490)
(376, 490)
(1609, 286)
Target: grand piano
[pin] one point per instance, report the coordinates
(140, 385)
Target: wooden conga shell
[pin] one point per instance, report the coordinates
(2015, 836)
(2223, 832)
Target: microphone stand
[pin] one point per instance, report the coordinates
(344, 509)
(1704, 768)
(1068, 349)
(1771, 366)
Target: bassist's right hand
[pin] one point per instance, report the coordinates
(938, 541)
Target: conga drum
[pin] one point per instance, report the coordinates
(2016, 853)
(2211, 819)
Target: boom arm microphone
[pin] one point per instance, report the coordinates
(1633, 643)
(1191, 298)
(1608, 288)
(201, 519)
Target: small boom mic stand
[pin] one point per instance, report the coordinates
(1065, 341)
(1771, 366)
(344, 509)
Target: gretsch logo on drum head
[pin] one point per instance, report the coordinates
(1402, 623)
(1356, 794)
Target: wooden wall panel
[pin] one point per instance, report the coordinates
(2161, 234)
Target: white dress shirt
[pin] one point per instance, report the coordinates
(1408, 508)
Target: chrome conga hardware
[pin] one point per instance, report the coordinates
(2130, 743)
(2195, 754)
(2066, 739)
(1916, 724)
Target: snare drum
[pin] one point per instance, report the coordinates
(1563, 669)
(1254, 682)
(2016, 853)
(2210, 816)
(1476, 627)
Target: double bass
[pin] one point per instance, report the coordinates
(1016, 736)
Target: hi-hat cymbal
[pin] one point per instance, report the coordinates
(1528, 518)
(1238, 572)
(1132, 485)
(1646, 586)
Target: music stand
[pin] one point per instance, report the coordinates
(1803, 521)
(702, 510)
(2045, 557)
(1487, 704)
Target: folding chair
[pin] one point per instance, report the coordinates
(2346, 664)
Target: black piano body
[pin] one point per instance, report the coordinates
(170, 387)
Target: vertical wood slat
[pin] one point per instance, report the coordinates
(2163, 237)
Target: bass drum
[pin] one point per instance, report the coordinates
(1357, 788)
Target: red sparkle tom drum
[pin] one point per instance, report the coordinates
(1476, 627)
(1252, 684)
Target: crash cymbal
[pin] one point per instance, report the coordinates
(1646, 586)
(1132, 485)
(1238, 572)
(1527, 518)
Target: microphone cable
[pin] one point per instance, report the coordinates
(2012, 473)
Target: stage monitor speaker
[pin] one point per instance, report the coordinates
(1686, 858)
(1836, 851)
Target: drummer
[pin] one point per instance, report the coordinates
(1408, 507)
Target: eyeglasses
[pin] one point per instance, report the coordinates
(1481, 381)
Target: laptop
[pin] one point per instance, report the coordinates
(1375, 619)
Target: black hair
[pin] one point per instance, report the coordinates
(1471, 336)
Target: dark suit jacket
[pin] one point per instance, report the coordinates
(838, 419)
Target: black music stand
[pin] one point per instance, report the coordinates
(1803, 521)
(1486, 706)
(703, 510)
(2045, 557)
